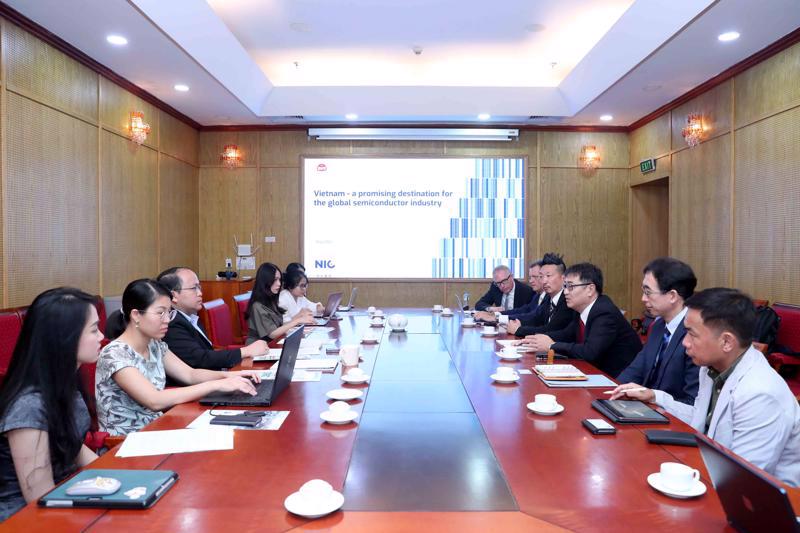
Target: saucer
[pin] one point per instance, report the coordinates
(507, 357)
(698, 488)
(436, 310)
(344, 394)
(495, 334)
(369, 341)
(500, 379)
(296, 504)
(463, 325)
(332, 417)
(545, 412)
(398, 330)
(376, 325)
(355, 381)
(446, 314)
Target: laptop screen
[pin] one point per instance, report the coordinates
(333, 304)
(291, 346)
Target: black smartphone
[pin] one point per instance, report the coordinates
(598, 426)
(236, 420)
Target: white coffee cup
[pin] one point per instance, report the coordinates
(502, 320)
(339, 407)
(378, 313)
(489, 330)
(371, 309)
(678, 477)
(349, 354)
(468, 321)
(355, 372)
(510, 350)
(545, 401)
(506, 371)
(369, 337)
(437, 307)
(447, 311)
(316, 490)
(377, 320)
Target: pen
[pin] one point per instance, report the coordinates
(637, 389)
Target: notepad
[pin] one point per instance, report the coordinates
(142, 443)
(560, 372)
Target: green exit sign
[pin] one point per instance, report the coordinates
(648, 165)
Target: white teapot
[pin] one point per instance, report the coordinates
(398, 322)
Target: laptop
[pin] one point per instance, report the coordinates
(752, 501)
(330, 308)
(352, 301)
(268, 390)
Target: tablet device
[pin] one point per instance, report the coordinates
(629, 412)
(138, 489)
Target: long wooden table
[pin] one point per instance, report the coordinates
(560, 477)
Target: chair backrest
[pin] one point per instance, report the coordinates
(789, 330)
(219, 322)
(112, 303)
(86, 373)
(100, 305)
(10, 327)
(242, 301)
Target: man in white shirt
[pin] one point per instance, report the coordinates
(742, 403)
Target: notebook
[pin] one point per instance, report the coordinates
(629, 412)
(143, 487)
(560, 372)
(334, 300)
(352, 301)
(266, 391)
(751, 500)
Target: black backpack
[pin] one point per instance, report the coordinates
(766, 328)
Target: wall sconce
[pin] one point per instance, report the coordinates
(693, 131)
(231, 157)
(139, 129)
(589, 158)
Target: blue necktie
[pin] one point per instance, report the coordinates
(661, 349)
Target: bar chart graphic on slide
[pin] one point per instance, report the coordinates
(417, 218)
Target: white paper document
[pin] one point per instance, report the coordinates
(272, 420)
(521, 348)
(317, 364)
(273, 355)
(593, 380)
(141, 443)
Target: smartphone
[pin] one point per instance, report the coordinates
(598, 426)
(236, 420)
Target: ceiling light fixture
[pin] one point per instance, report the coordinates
(606, 118)
(351, 116)
(180, 87)
(484, 116)
(117, 40)
(728, 36)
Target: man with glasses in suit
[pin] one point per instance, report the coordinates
(505, 293)
(185, 336)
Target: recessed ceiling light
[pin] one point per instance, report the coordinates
(117, 40)
(606, 118)
(534, 28)
(351, 116)
(181, 87)
(484, 116)
(728, 36)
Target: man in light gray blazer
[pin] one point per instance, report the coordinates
(742, 403)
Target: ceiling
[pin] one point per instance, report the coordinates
(416, 61)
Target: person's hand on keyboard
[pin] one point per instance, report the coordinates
(236, 383)
(253, 375)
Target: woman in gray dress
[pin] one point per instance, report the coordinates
(264, 315)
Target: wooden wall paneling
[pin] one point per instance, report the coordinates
(129, 225)
(284, 148)
(400, 293)
(402, 148)
(767, 211)
(524, 145)
(769, 87)
(318, 290)
(178, 214)
(177, 138)
(585, 218)
(649, 233)
(714, 106)
(228, 207)
(476, 289)
(40, 72)
(562, 148)
(651, 140)
(663, 170)
(279, 210)
(212, 142)
(50, 199)
(116, 105)
(699, 210)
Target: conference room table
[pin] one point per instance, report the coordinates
(438, 446)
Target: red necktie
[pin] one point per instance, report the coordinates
(581, 331)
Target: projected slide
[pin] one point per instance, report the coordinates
(413, 218)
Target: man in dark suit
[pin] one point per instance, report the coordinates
(504, 293)
(535, 282)
(663, 364)
(552, 314)
(185, 336)
(599, 334)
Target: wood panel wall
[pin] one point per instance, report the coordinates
(268, 182)
(81, 204)
(734, 213)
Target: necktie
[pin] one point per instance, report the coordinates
(654, 371)
(504, 302)
(551, 311)
(581, 331)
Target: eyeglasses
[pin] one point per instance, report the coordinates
(195, 288)
(569, 286)
(648, 292)
(498, 283)
(167, 313)
(303, 285)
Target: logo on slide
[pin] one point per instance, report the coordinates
(322, 167)
(324, 263)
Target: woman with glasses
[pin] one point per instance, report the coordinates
(133, 369)
(264, 312)
(293, 296)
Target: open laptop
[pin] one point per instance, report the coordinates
(268, 390)
(352, 302)
(333, 304)
(752, 501)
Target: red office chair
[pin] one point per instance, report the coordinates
(220, 328)
(242, 301)
(10, 327)
(100, 305)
